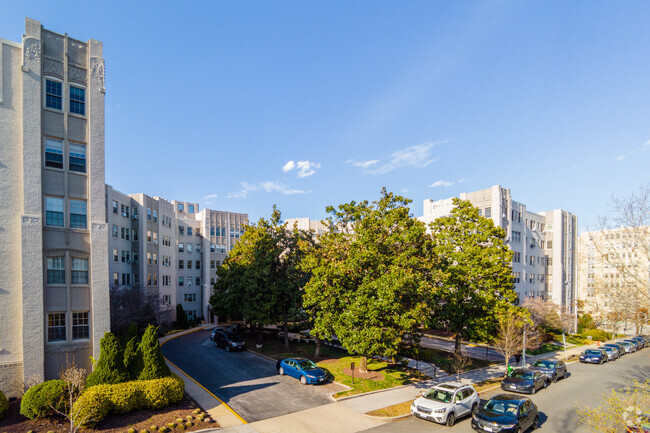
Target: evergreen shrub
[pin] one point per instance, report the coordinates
(39, 400)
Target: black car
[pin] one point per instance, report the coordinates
(593, 356)
(228, 341)
(506, 413)
(552, 369)
(524, 380)
(617, 346)
(217, 329)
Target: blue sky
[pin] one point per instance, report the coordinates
(240, 105)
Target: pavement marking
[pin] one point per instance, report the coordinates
(203, 387)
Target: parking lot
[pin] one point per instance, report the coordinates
(249, 384)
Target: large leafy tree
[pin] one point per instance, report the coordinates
(477, 274)
(368, 276)
(261, 279)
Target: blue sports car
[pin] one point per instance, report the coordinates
(302, 369)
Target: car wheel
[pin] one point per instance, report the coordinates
(474, 408)
(554, 378)
(303, 380)
(536, 423)
(519, 430)
(451, 419)
(600, 362)
(281, 371)
(534, 390)
(227, 348)
(546, 382)
(564, 375)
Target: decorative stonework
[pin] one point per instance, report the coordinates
(98, 226)
(97, 71)
(52, 67)
(31, 52)
(31, 220)
(76, 74)
(11, 364)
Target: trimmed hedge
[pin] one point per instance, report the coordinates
(133, 358)
(153, 362)
(110, 367)
(39, 399)
(596, 334)
(100, 400)
(4, 405)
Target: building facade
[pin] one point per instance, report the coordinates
(543, 244)
(168, 252)
(53, 264)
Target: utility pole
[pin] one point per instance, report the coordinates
(523, 359)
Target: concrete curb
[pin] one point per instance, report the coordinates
(363, 394)
(385, 418)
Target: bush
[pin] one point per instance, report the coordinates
(181, 318)
(153, 363)
(133, 358)
(110, 367)
(4, 405)
(585, 322)
(39, 399)
(596, 334)
(100, 400)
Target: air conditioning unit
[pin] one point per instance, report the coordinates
(135, 216)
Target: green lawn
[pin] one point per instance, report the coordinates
(545, 348)
(334, 361)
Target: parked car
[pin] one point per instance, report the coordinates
(447, 402)
(629, 347)
(593, 356)
(612, 353)
(302, 369)
(216, 329)
(633, 342)
(524, 380)
(641, 340)
(506, 413)
(639, 424)
(552, 369)
(228, 341)
(617, 346)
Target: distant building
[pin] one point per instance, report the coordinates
(54, 296)
(168, 251)
(307, 224)
(544, 243)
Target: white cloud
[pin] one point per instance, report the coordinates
(289, 166)
(641, 148)
(412, 156)
(247, 188)
(620, 158)
(441, 182)
(209, 196)
(363, 164)
(305, 168)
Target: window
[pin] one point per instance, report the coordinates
(189, 264)
(181, 264)
(532, 243)
(181, 230)
(148, 257)
(56, 270)
(198, 264)
(211, 231)
(189, 297)
(126, 256)
(189, 231)
(155, 216)
(115, 256)
(191, 315)
(155, 280)
(516, 237)
(181, 207)
(80, 326)
(116, 279)
(180, 281)
(532, 260)
(516, 277)
(114, 206)
(213, 248)
(155, 238)
(54, 211)
(148, 235)
(488, 212)
(148, 279)
(198, 248)
(531, 278)
(53, 94)
(148, 214)
(136, 279)
(189, 248)
(155, 258)
(166, 241)
(126, 279)
(79, 270)
(167, 299)
(189, 281)
(212, 265)
(56, 327)
(549, 245)
(77, 158)
(135, 213)
(53, 153)
(77, 100)
(198, 281)
(180, 248)
(190, 208)
(77, 214)
(115, 230)
(135, 235)
(516, 257)
(212, 280)
(125, 211)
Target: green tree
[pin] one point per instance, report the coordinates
(110, 367)
(261, 280)
(368, 277)
(153, 362)
(181, 318)
(477, 274)
(133, 358)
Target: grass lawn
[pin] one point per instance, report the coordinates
(545, 348)
(394, 410)
(444, 359)
(334, 361)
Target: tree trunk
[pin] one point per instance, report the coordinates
(317, 352)
(458, 345)
(259, 333)
(285, 325)
(363, 365)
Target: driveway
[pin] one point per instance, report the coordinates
(248, 383)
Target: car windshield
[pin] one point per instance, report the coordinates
(439, 395)
(520, 374)
(233, 337)
(625, 343)
(502, 407)
(543, 363)
(592, 352)
(306, 364)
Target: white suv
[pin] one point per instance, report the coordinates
(447, 402)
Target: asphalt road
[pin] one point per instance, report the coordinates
(249, 384)
(468, 350)
(557, 404)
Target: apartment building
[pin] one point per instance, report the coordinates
(613, 275)
(168, 251)
(543, 243)
(54, 297)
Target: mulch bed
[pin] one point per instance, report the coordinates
(372, 375)
(140, 420)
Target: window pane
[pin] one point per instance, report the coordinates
(77, 100)
(56, 327)
(53, 94)
(54, 211)
(53, 153)
(55, 270)
(77, 158)
(80, 326)
(79, 270)
(77, 214)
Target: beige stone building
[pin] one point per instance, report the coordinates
(54, 301)
(543, 243)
